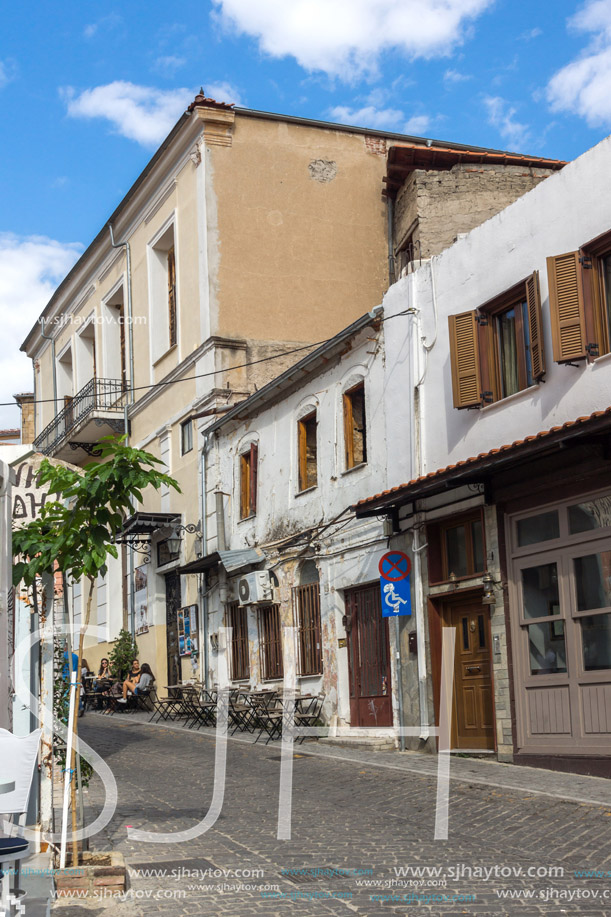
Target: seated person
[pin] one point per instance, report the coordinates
(139, 680)
(102, 680)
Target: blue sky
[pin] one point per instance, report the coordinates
(88, 90)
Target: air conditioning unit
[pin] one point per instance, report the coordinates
(254, 588)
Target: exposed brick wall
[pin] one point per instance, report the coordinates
(375, 144)
(445, 204)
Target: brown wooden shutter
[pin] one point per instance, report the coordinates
(254, 458)
(464, 358)
(567, 309)
(172, 296)
(244, 486)
(348, 431)
(303, 455)
(535, 325)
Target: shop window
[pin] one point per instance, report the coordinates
(248, 481)
(355, 428)
(497, 350)
(306, 607)
(308, 458)
(186, 437)
(270, 643)
(534, 529)
(456, 548)
(580, 301)
(240, 665)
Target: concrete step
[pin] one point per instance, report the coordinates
(368, 743)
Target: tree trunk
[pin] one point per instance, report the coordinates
(84, 626)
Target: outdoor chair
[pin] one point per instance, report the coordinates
(308, 712)
(18, 756)
(201, 709)
(174, 706)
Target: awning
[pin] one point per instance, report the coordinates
(478, 469)
(230, 560)
(147, 523)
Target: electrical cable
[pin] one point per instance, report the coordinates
(214, 372)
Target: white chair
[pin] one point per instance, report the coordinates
(18, 756)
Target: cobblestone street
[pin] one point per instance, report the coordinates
(363, 820)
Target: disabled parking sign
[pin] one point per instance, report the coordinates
(395, 567)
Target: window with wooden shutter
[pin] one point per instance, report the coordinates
(535, 326)
(248, 481)
(567, 307)
(172, 296)
(355, 426)
(498, 350)
(464, 357)
(307, 446)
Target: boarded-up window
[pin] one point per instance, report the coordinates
(355, 428)
(308, 458)
(237, 620)
(270, 642)
(172, 296)
(306, 606)
(497, 350)
(248, 481)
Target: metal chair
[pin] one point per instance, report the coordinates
(18, 756)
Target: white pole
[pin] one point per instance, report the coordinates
(67, 773)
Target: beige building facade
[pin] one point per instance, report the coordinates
(247, 238)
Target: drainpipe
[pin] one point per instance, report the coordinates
(390, 216)
(130, 330)
(203, 584)
(130, 398)
(417, 547)
(48, 337)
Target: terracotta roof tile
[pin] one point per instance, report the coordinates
(482, 456)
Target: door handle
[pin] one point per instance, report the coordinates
(473, 668)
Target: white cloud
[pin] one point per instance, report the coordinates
(30, 269)
(345, 38)
(452, 77)
(583, 86)
(501, 115)
(111, 21)
(169, 64)
(391, 119)
(223, 92)
(140, 113)
(417, 125)
(8, 71)
(368, 116)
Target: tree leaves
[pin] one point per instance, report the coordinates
(77, 532)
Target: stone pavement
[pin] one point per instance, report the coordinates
(520, 840)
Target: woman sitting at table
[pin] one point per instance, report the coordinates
(139, 681)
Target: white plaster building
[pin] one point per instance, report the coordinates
(286, 465)
(508, 478)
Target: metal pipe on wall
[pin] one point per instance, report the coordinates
(202, 578)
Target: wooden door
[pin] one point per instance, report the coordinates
(473, 709)
(172, 604)
(368, 658)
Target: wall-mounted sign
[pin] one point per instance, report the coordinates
(395, 567)
(187, 630)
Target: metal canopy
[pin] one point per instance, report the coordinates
(147, 523)
(230, 560)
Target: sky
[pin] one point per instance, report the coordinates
(89, 90)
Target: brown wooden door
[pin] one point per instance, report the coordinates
(368, 658)
(473, 709)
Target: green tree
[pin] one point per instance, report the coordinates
(76, 532)
(123, 653)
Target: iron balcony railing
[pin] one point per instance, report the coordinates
(98, 395)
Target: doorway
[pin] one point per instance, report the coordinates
(172, 604)
(368, 658)
(472, 702)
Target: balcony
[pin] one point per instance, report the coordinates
(91, 414)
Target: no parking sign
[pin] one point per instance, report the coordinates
(395, 567)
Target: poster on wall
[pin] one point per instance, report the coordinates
(141, 599)
(187, 630)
